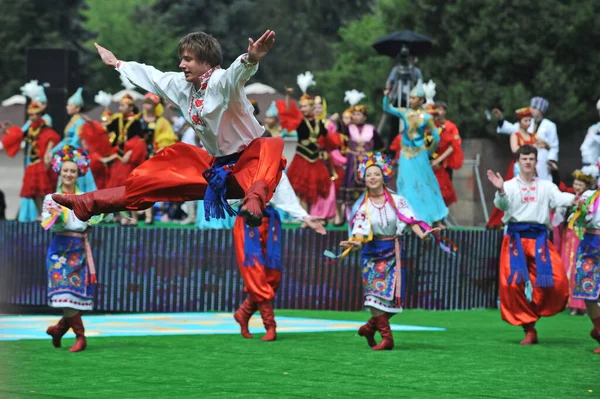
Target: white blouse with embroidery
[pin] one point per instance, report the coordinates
(72, 224)
(382, 218)
(219, 110)
(530, 202)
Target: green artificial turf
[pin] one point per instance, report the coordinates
(477, 357)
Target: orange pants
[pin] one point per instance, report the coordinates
(260, 283)
(514, 306)
(175, 173)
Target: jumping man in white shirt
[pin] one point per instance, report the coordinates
(235, 162)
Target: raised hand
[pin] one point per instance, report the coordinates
(497, 113)
(496, 180)
(107, 56)
(258, 49)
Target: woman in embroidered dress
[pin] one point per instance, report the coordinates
(416, 180)
(69, 264)
(568, 241)
(379, 219)
(586, 279)
(517, 140)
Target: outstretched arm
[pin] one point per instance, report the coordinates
(246, 65)
(147, 77)
(389, 109)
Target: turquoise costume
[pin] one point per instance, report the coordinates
(416, 180)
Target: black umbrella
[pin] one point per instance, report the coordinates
(391, 44)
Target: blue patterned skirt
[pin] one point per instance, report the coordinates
(382, 287)
(68, 274)
(587, 269)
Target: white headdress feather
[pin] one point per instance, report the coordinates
(304, 80)
(353, 97)
(429, 89)
(103, 98)
(31, 89)
(590, 170)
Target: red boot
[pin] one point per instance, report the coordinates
(57, 331)
(109, 200)
(383, 325)
(254, 204)
(368, 331)
(266, 312)
(243, 315)
(77, 326)
(531, 337)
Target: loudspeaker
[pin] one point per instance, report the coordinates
(60, 69)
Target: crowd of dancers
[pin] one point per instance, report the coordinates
(131, 160)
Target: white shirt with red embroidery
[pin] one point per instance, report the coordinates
(219, 110)
(530, 202)
(382, 218)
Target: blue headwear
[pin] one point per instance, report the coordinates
(539, 103)
(418, 90)
(77, 98)
(272, 111)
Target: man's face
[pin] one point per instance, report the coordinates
(191, 67)
(124, 108)
(35, 117)
(307, 109)
(527, 163)
(441, 113)
(536, 114)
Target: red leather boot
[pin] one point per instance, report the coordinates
(57, 331)
(266, 312)
(243, 315)
(254, 204)
(383, 325)
(368, 331)
(531, 337)
(77, 326)
(109, 200)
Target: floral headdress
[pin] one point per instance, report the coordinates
(377, 159)
(71, 154)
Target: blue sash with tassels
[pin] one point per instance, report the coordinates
(215, 196)
(518, 263)
(252, 248)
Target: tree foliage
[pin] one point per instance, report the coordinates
(489, 54)
(34, 24)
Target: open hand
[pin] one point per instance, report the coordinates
(496, 180)
(314, 224)
(258, 49)
(107, 56)
(351, 243)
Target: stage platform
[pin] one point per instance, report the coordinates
(169, 270)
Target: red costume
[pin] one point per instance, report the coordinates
(308, 174)
(98, 146)
(39, 179)
(449, 138)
